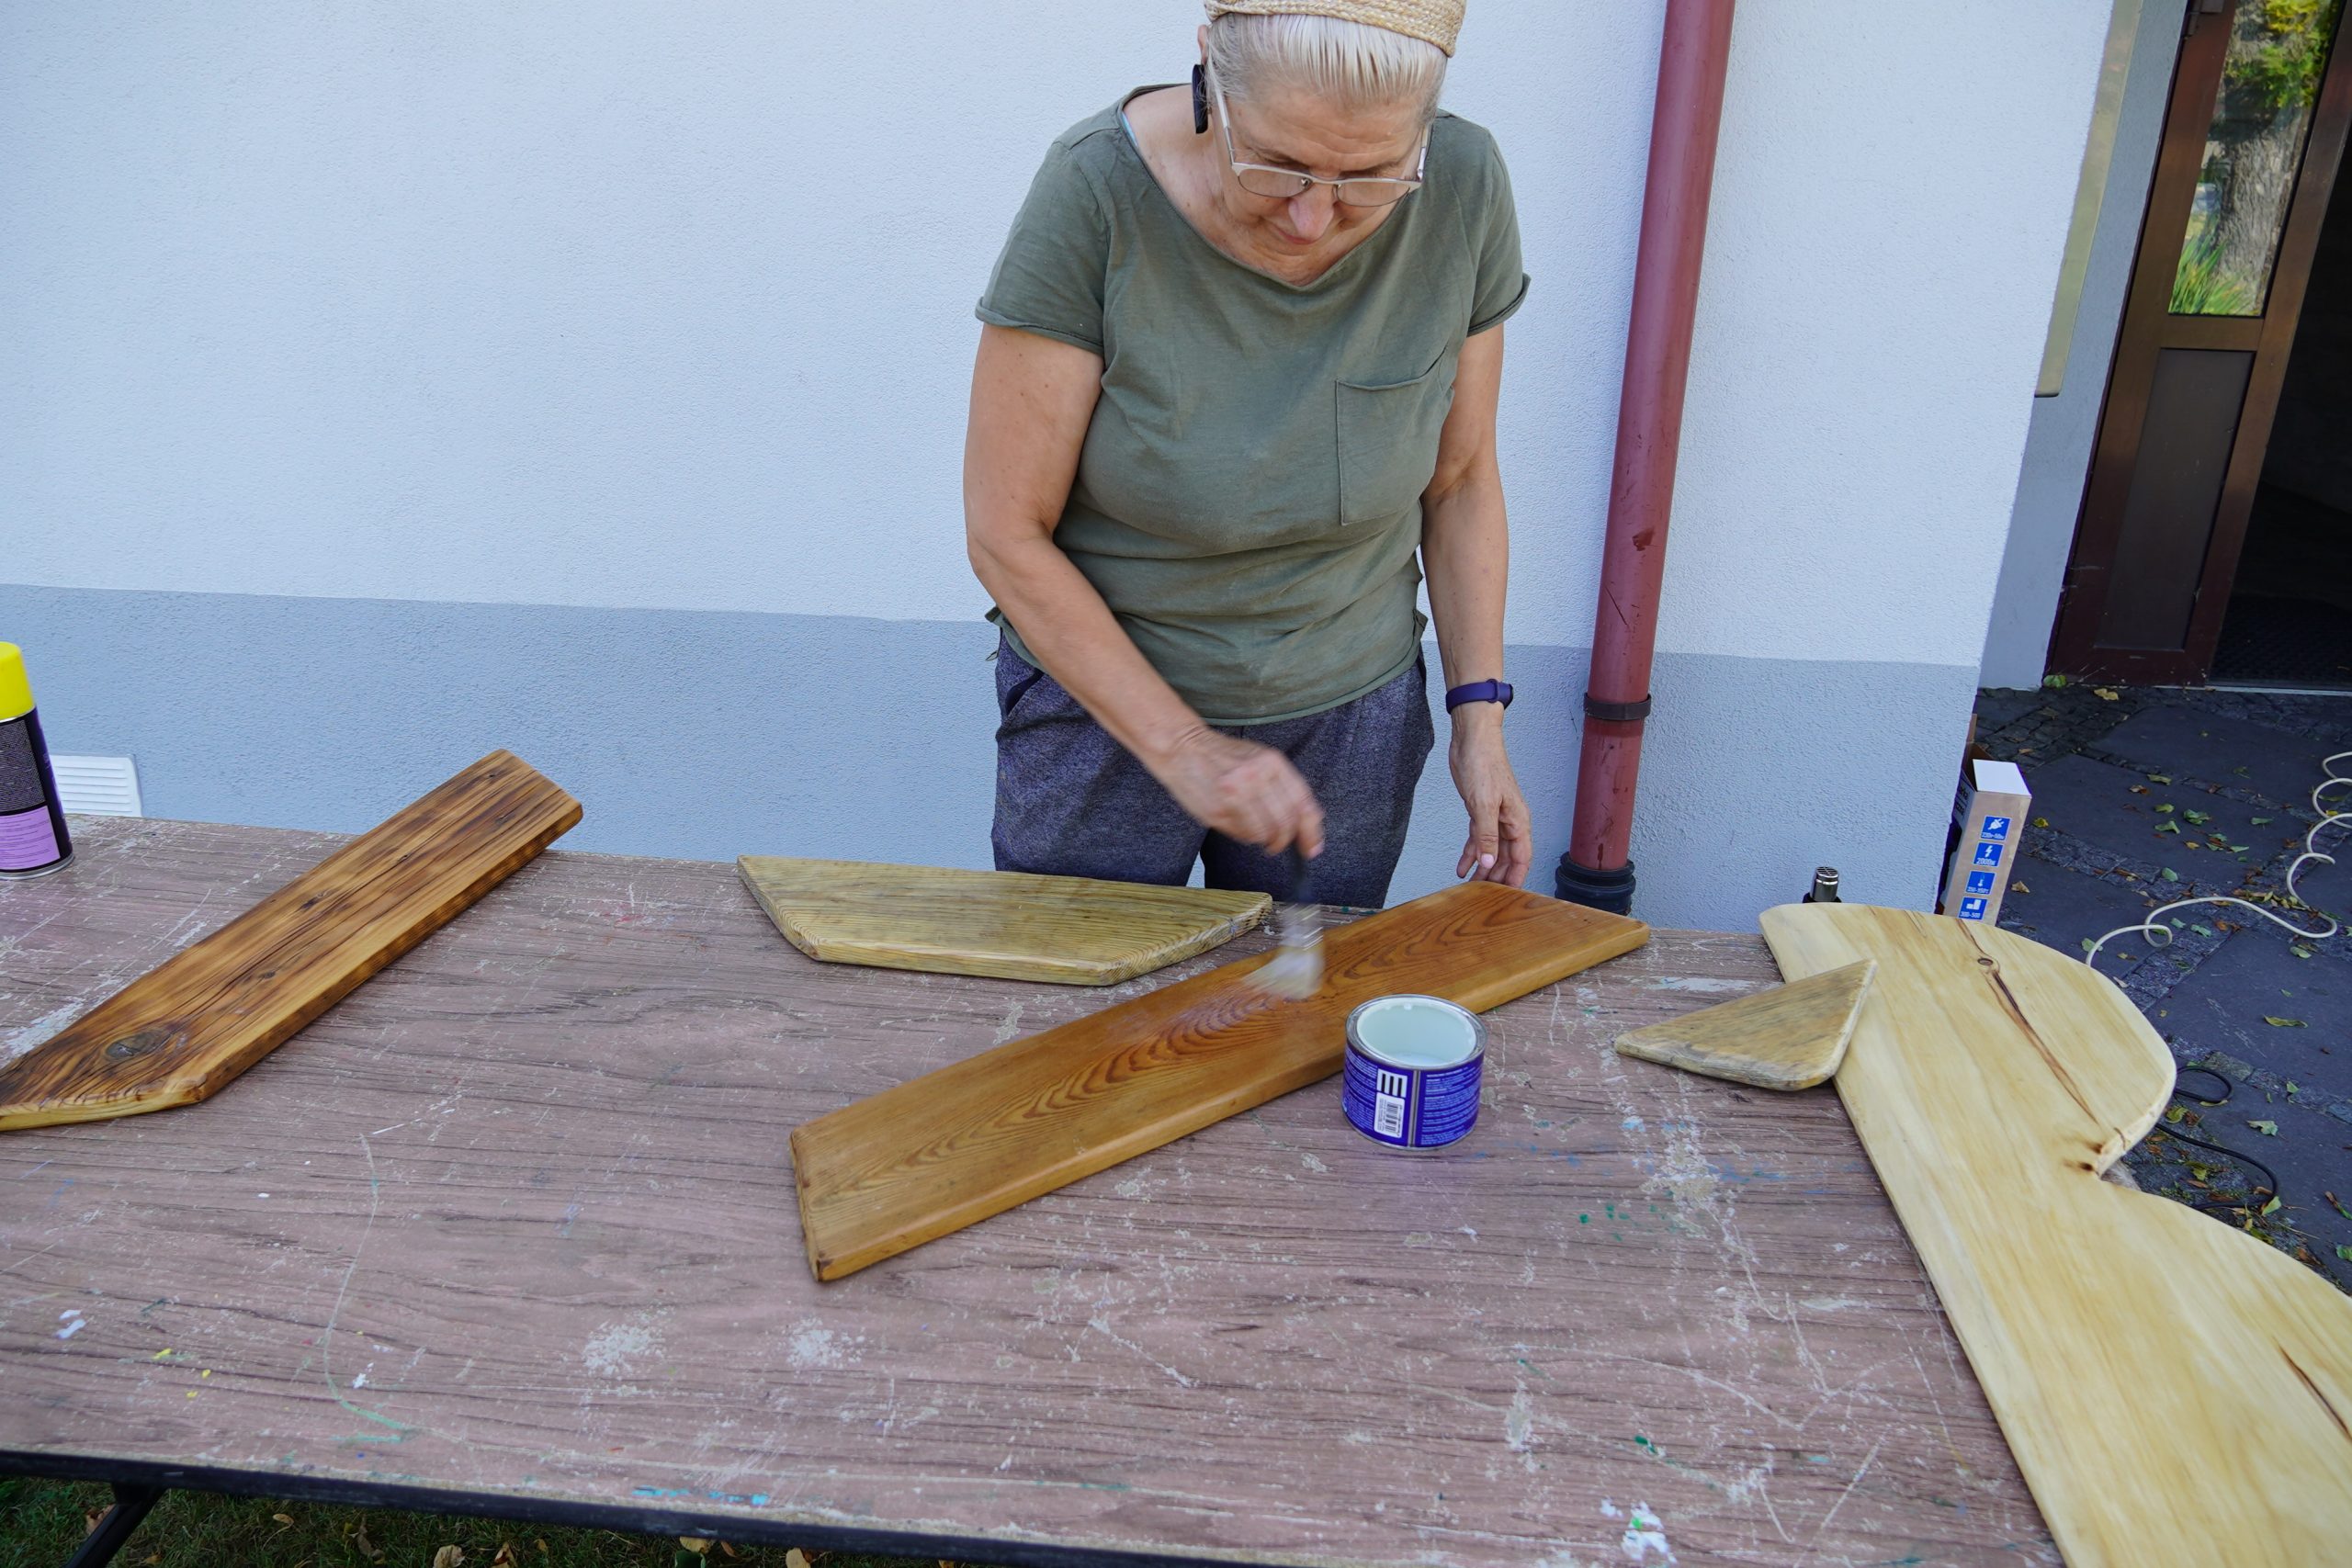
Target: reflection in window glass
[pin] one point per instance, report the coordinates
(2270, 78)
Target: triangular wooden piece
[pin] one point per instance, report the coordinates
(1792, 1036)
(1071, 930)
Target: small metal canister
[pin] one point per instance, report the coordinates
(1415, 1068)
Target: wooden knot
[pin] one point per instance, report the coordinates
(146, 1043)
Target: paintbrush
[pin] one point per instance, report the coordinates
(1296, 971)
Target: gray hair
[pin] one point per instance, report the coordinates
(1353, 65)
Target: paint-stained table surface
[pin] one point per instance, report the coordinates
(511, 1230)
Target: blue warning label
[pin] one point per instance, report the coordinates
(1981, 881)
(1972, 909)
(1988, 854)
(1996, 828)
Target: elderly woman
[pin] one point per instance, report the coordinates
(1239, 369)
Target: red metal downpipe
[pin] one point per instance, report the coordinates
(1598, 869)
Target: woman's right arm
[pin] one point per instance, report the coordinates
(1032, 399)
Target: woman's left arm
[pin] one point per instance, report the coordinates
(1465, 552)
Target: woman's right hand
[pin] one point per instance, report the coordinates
(1248, 792)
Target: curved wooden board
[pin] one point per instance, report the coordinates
(177, 1033)
(954, 1147)
(2175, 1391)
(1068, 930)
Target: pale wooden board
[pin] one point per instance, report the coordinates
(954, 1146)
(1790, 1037)
(2177, 1392)
(1071, 930)
(529, 1182)
(188, 1027)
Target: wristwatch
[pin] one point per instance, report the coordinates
(1479, 692)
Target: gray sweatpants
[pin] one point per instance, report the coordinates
(1071, 801)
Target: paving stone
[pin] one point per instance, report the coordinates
(2306, 1153)
(2094, 802)
(2276, 763)
(2255, 975)
(2059, 907)
(1997, 709)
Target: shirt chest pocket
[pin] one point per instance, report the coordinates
(1388, 437)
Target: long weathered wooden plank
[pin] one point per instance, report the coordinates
(2175, 1392)
(974, 1139)
(177, 1033)
(1067, 931)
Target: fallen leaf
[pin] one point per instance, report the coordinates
(2259, 821)
(2198, 818)
(367, 1549)
(2271, 1207)
(795, 1558)
(2042, 821)
(2103, 695)
(2337, 1204)
(2139, 789)
(449, 1557)
(2201, 931)
(283, 1518)
(91, 1518)
(2171, 875)
(2175, 1113)
(2167, 827)
(2160, 778)
(2019, 887)
(505, 1557)
(2344, 1253)
(2267, 1129)
(2300, 952)
(2293, 1089)
(2163, 809)
(699, 1545)
(2055, 683)
(2088, 944)
(2282, 1022)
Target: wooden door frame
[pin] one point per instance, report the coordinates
(2147, 328)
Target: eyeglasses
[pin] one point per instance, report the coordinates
(1281, 185)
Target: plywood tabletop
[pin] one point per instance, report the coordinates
(512, 1227)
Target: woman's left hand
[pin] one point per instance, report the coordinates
(1501, 846)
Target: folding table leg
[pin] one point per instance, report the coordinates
(130, 1505)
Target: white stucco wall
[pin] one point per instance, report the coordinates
(669, 306)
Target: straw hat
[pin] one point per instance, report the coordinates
(1437, 21)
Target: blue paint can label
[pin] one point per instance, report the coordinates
(1414, 1069)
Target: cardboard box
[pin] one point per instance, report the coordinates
(1988, 830)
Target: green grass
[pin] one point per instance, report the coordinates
(43, 1521)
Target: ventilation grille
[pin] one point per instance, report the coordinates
(98, 786)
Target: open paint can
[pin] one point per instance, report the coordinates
(1414, 1068)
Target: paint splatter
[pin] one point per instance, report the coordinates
(613, 1349)
(1630, 1124)
(1518, 1425)
(1311, 1163)
(812, 1344)
(1643, 1534)
(73, 1328)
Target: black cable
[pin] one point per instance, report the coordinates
(2172, 1130)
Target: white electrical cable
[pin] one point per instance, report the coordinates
(2328, 817)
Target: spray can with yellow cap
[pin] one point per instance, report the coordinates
(32, 824)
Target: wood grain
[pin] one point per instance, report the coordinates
(957, 1146)
(512, 1227)
(1790, 1037)
(2175, 1391)
(178, 1033)
(1070, 930)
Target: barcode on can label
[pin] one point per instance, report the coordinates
(1388, 1116)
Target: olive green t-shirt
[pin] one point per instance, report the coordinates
(1247, 498)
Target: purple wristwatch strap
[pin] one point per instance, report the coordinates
(1479, 692)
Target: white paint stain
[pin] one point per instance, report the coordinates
(1519, 1423)
(1830, 1303)
(1643, 1534)
(1630, 1124)
(812, 1344)
(1311, 1163)
(73, 1328)
(38, 1031)
(1704, 983)
(613, 1349)
(360, 1381)
(1610, 1510)
(1132, 1188)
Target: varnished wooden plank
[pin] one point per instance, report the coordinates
(957, 1146)
(1071, 930)
(2176, 1392)
(1790, 1037)
(511, 1224)
(178, 1033)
